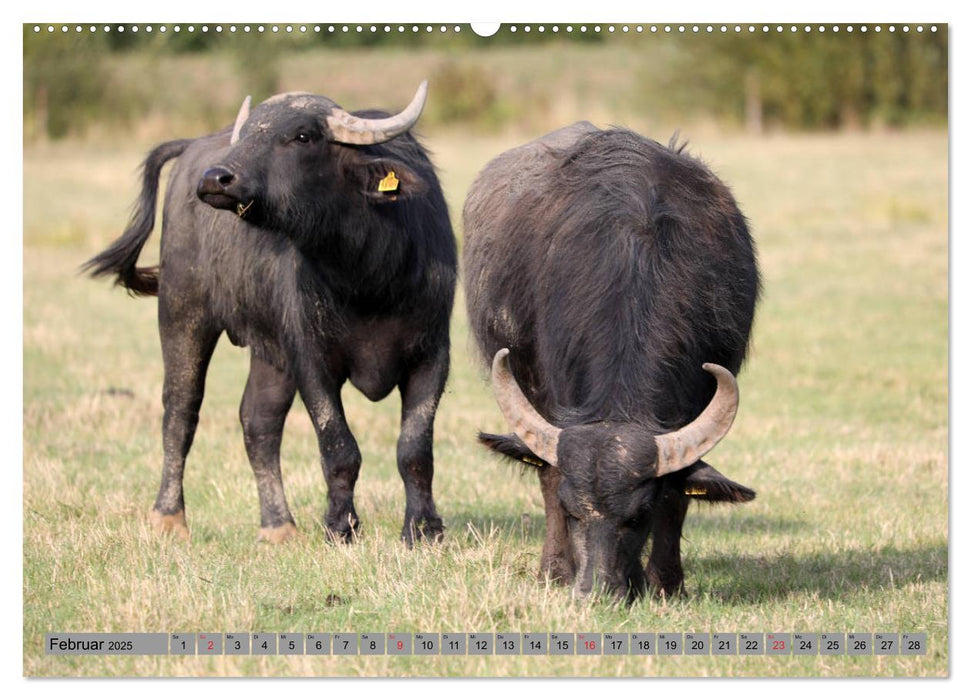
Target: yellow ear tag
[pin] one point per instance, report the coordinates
(389, 183)
(696, 491)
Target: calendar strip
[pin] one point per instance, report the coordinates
(487, 644)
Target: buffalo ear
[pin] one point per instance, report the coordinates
(387, 180)
(511, 446)
(706, 483)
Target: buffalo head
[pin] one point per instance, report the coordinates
(609, 475)
(297, 156)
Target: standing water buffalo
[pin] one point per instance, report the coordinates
(603, 273)
(320, 239)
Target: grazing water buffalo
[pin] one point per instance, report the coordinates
(614, 282)
(321, 240)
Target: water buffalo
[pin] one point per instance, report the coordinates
(321, 240)
(604, 274)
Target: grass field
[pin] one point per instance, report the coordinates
(843, 431)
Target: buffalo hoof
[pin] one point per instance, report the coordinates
(343, 533)
(341, 536)
(556, 564)
(663, 593)
(418, 530)
(278, 534)
(170, 523)
(558, 570)
(660, 587)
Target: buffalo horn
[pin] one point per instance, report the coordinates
(525, 421)
(240, 120)
(685, 446)
(346, 128)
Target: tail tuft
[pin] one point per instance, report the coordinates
(120, 257)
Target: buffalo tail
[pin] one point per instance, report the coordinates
(120, 257)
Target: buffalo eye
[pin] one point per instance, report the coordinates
(305, 135)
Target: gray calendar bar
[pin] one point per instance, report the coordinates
(860, 644)
(108, 644)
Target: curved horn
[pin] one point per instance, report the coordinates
(685, 446)
(240, 120)
(346, 128)
(539, 436)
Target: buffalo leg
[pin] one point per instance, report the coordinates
(664, 573)
(339, 455)
(557, 559)
(187, 346)
(420, 393)
(266, 401)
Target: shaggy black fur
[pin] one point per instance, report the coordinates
(612, 267)
(284, 242)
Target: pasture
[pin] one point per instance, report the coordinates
(842, 431)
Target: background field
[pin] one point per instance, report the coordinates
(842, 431)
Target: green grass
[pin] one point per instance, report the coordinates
(842, 431)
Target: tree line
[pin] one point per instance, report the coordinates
(762, 80)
